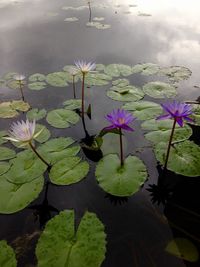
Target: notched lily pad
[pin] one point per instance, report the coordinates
(127, 93)
(159, 89)
(120, 82)
(115, 70)
(36, 114)
(7, 255)
(146, 69)
(62, 118)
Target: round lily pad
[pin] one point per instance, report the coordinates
(143, 110)
(59, 244)
(120, 82)
(98, 79)
(183, 249)
(183, 158)
(127, 93)
(37, 77)
(120, 181)
(44, 135)
(115, 70)
(62, 118)
(68, 171)
(58, 79)
(7, 255)
(72, 104)
(159, 89)
(6, 153)
(37, 85)
(16, 197)
(4, 167)
(36, 114)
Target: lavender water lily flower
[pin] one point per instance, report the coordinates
(19, 78)
(85, 67)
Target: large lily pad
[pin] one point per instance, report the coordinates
(161, 131)
(6, 153)
(59, 244)
(143, 110)
(16, 197)
(183, 158)
(115, 70)
(159, 89)
(117, 180)
(62, 118)
(10, 109)
(58, 79)
(72, 104)
(7, 255)
(127, 93)
(4, 167)
(68, 171)
(36, 114)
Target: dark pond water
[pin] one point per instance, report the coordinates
(34, 38)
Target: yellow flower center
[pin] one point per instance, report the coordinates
(121, 120)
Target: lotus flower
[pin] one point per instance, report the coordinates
(177, 111)
(85, 67)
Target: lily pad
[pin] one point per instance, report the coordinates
(159, 90)
(4, 167)
(62, 118)
(10, 109)
(16, 197)
(3, 134)
(9, 76)
(68, 171)
(183, 158)
(120, 82)
(161, 131)
(37, 85)
(100, 67)
(15, 84)
(19, 105)
(146, 69)
(120, 181)
(98, 79)
(183, 249)
(196, 115)
(44, 135)
(72, 104)
(176, 73)
(71, 19)
(127, 93)
(7, 255)
(58, 79)
(6, 153)
(143, 110)
(37, 77)
(59, 244)
(36, 114)
(115, 70)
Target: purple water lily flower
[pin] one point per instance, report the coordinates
(120, 119)
(177, 111)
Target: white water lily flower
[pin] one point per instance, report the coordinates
(19, 77)
(85, 67)
(73, 71)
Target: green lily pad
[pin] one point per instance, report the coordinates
(137, 68)
(68, 171)
(6, 153)
(37, 77)
(7, 255)
(44, 135)
(146, 69)
(159, 90)
(100, 67)
(36, 114)
(58, 148)
(9, 76)
(25, 168)
(120, 82)
(176, 73)
(2, 82)
(58, 79)
(115, 70)
(62, 118)
(117, 180)
(161, 131)
(59, 244)
(72, 104)
(143, 110)
(127, 93)
(183, 249)
(19, 105)
(37, 85)
(10, 109)
(3, 134)
(183, 158)
(15, 84)
(4, 167)
(16, 197)
(196, 115)
(98, 79)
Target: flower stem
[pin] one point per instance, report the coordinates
(39, 156)
(82, 106)
(121, 147)
(169, 145)
(21, 90)
(74, 89)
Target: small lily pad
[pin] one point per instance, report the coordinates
(159, 90)
(143, 110)
(72, 104)
(183, 158)
(7, 255)
(120, 181)
(115, 70)
(44, 135)
(183, 249)
(4, 167)
(62, 118)
(68, 171)
(58, 79)
(59, 244)
(6, 153)
(37, 85)
(127, 93)
(36, 114)
(37, 77)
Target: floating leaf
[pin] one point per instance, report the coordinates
(9, 109)
(37, 85)
(137, 68)
(127, 93)
(117, 180)
(143, 110)
(74, 8)
(3, 134)
(183, 158)
(97, 79)
(100, 67)
(183, 248)
(146, 69)
(72, 104)
(7, 255)
(71, 19)
(15, 84)
(68, 171)
(4, 167)
(6, 153)
(44, 135)
(62, 118)
(115, 70)
(36, 114)
(16, 197)
(176, 73)
(19, 105)
(59, 244)
(58, 79)
(9, 75)
(37, 77)
(98, 18)
(120, 82)
(159, 90)
(196, 115)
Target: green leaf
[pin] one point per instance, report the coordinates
(62, 118)
(100, 67)
(6, 153)
(37, 85)
(7, 255)
(4, 167)
(161, 131)
(117, 180)
(127, 93)
(58, 79)
(44, 135)
(9, 109)
(183, 249)
(36, 114)
(59, 245)
(159, 90)
(183, 158)
(3, 134)
(15, 84)
(68, 171)
(115, 70)
(14, 197)
(196, 115)
(37, 77)
(143, 110)
(19, 105)
(146, 69)
(176, 73)
(97, 79)
(120, 82)
(72, 104)
(9, 75)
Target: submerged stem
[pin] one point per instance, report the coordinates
(39, 156)
(169, 145)
(121, 147)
